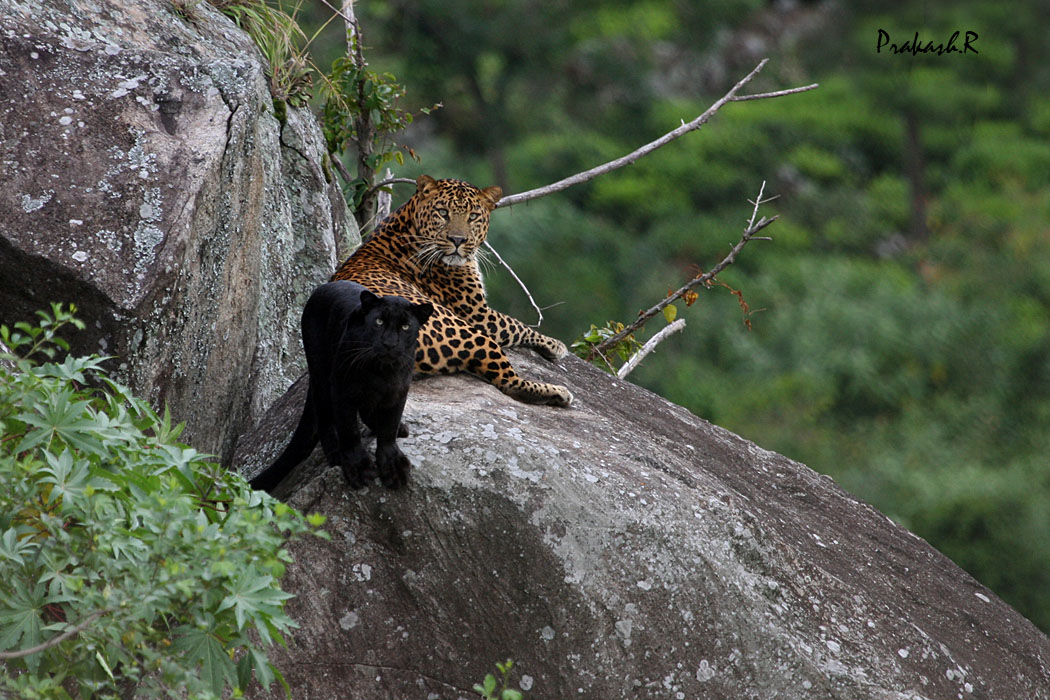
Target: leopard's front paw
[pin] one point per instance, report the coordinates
(539, 393)
(551, 349)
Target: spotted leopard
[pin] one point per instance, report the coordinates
(426, 251)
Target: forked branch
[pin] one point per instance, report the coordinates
(704, 279)
(648, 148)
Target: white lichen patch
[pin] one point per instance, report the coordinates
(362, 572)
(31, 204)
(705, 671)
(349, 620)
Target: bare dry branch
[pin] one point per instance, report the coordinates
(54, 641)
(539, 312)
(383, 201)
(388, 181)
(753, 227)
(347, 16)
(631, 157)
(338, 163)
(649, 346)
(778, 93)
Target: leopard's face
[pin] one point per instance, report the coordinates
(451, 220)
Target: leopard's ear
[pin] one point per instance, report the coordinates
(422, 312)
(425, 184)
(491, 196)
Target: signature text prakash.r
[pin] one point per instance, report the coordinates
(915, 46)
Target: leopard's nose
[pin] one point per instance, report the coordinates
(457, 241)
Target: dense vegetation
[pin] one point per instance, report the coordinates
(901, 325)
(127, 559)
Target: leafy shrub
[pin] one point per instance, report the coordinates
(128, 561)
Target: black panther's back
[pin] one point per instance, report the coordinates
(360, 351)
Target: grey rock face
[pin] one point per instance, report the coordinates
(147, 179)
(622, 548)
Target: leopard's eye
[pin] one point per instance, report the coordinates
(379, 321)
(443, 213)
(405, 327)
(474, 215)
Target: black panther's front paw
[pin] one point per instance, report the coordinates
(358, 468)
(393, 466)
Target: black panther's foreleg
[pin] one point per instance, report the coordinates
(347, 450)
(391, 463)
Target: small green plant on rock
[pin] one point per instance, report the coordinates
(129, 563)
(493, 688)
(587, 346)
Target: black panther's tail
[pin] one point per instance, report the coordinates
(302, 444)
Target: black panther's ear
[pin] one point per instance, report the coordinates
(368, 301)
(422, 312)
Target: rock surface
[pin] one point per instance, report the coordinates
(622, 548)
(148, 180)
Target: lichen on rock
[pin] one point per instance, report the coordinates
(623, 548)
(148, 181)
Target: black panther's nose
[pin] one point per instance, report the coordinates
(457, 241)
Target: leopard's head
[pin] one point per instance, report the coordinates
(451, 220)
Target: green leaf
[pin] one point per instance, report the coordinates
(104, 665)
(264, 671)
(12, 547)
(252, 596)
(202, 649)
(670, 312)
(511, 694)
(244, 671)
(20, 621)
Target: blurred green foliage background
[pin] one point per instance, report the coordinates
(903, 340)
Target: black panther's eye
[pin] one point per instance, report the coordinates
(379, 321)
(405, 327)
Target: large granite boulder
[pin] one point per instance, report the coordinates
(148, 179)
(623, 548)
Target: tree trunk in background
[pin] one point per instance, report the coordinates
(915, 166)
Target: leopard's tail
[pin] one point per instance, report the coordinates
(304, 439)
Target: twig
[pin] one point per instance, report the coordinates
(753, 227)
(649, 346)
(652, 146)
(389, 181)
(778, 93)
(54, 641)
(338, 163)
(539, 313)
